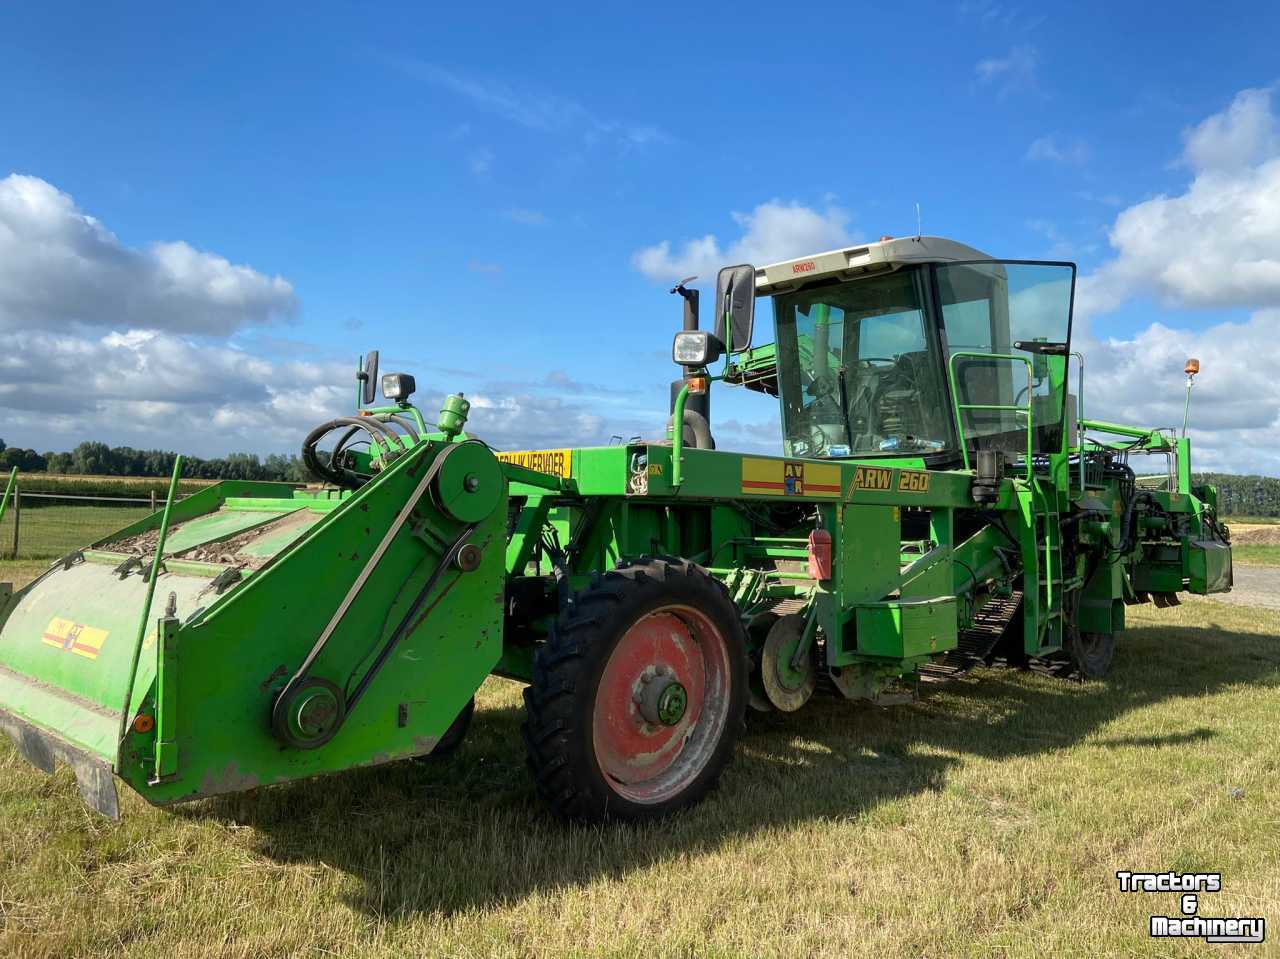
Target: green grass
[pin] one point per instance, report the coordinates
(47, 532)
(988, 819)
(1246, 554)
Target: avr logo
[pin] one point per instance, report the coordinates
(793, 479)
(807, 266)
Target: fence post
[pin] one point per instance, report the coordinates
(17, 517)
(153, 500)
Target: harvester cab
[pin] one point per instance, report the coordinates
(940, 501)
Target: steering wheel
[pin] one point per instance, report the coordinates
(817, 438)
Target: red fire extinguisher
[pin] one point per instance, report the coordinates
(820, 552)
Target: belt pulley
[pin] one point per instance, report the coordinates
(309, 710)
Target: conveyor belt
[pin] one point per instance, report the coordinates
(976, 644)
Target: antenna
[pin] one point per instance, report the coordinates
(919, 221)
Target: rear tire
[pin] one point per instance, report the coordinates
(638, 694)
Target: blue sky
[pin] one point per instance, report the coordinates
(483, 194)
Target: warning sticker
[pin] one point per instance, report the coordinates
(74, 637)
(555, 462)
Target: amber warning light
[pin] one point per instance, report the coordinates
(1192, 367)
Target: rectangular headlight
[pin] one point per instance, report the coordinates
(695, 348)
(398, 386)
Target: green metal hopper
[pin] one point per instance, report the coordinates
(375, 612)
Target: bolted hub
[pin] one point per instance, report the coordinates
(663, 701)
(310, 714)
(316, 710)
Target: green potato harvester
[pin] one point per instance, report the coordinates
(940, 501)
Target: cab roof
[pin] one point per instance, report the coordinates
(852, 261)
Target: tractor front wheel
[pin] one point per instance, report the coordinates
(638, 695)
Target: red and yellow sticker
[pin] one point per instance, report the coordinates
(74, 637)
(555, 462)
(790, 478)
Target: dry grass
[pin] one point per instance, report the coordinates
(988, 820)
(1247, 554)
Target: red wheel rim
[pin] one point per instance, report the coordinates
(645, 761)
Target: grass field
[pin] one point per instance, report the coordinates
(988, 819)
(47, 532)
(1247, 554)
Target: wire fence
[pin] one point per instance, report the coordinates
(48, 525)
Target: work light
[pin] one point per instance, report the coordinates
(695, 348)
(398, 386)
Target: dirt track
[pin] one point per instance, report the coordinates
(1254, 586)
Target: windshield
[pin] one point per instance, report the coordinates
(857, 369)
(1002, 309)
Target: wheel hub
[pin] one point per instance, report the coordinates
(663, 701)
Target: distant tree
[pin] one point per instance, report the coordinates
(91, 458)
(27, 461)
(57, 462)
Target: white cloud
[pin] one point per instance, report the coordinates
(1235, 404)
(1010, 74)
(1218, 243)
(60, 267)
(1241, 135)
(772, 231)
(1214, 246)
(144, 387)
(1067, 152)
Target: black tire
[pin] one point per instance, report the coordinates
(1091, 652)
(565, 701)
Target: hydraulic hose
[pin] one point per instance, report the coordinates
(338, 475)
(405, 425)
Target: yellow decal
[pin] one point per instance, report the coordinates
(912, 481)
(872, 477)
(75, 638)
(556, 462)
(790, 478)
(655, 469)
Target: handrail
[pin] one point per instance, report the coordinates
(677, 435)
(1079, 414)
(1015, 409)
(146, 608)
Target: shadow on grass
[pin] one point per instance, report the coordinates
(468, 832)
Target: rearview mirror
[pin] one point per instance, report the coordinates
(369, 378)
(736, 304)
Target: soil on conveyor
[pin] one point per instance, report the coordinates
(225, 551)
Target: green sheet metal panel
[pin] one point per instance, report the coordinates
(234, 658)
(1210, 567)
(66, 649)
(907, 629)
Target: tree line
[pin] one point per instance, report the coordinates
(1244, 495)
(99, 459)
(1237, 495)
